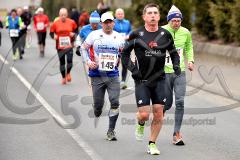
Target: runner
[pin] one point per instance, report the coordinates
(62, 30)
(150, 44)
(84, 32)
(123, 27)
(183, 41)
(83, 19)
(103, 69)
(41, 22)
(26, 17)
(14, 24)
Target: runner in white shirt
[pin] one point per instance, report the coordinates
(102, 60)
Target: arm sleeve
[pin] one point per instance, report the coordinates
(78, 41)
(47, 21)
(126, 52)
(85, 47)
(129, 28)
(20, 22)
(52, 30)
(7, 23)
(75, 29)
(189, 48)
(34, 23)
(173, 52)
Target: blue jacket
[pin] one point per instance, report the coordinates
(13, 23)
(86, 30)
(122, 26)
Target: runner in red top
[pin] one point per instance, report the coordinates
(41, 22)
(62, 30)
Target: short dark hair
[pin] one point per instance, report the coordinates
(13, 10)
(149, 6)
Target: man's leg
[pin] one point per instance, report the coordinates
(124, 76)
(113, 88)
(142, 94)
(43, 42)
(61, 56)
(69, 64)
(168, 91)
(14, 47)
(180, 90)
(157, 121)
(98, 90)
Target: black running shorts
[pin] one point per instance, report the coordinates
(146, 92)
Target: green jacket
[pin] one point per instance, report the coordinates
(183, 43)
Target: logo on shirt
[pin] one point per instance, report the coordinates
(141, 34)
(152, 44)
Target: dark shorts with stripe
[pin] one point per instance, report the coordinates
(147, 92)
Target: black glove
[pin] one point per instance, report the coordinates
(177, 70)
(136, 74)
(78, 51)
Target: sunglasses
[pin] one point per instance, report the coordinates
(176, 21)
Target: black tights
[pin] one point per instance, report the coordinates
(15, 44)
(61, 55)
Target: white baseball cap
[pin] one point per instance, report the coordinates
(40, 9)
(107, 16)
(25, 7)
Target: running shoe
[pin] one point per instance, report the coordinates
(68, 77)
(177, 139)
(152, 149)
(139, 132)
(111, 136)
(63, 81)
(41, 54)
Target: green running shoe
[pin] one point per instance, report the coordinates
(139, 132)
(152, 149)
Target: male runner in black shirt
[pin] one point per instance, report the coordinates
(150, 44)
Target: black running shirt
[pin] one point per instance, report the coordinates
(150, 50)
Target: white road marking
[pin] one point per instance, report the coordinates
(80, 141)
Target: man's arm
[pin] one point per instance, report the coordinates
(174, 56)
(189, 52)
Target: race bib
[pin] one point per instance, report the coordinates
(14, 33)
(40, 26)
(168, 60)
(107, 61)
(64, 42)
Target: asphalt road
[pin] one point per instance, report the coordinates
(42, 119)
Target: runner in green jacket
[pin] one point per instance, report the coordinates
(183, 42)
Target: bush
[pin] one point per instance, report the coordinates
(204, 21)
(235, 21)
(222, 13)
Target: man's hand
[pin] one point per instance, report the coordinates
(177, 70)
(55, 36)
(92, 65)
(72, 34)
(190, 66)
